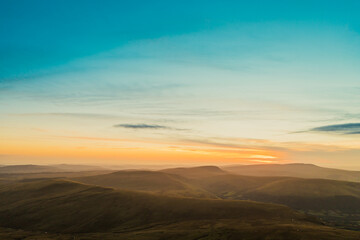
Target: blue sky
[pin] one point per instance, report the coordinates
(42, 34)
(261, 75)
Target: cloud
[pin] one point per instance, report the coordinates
(73, 115)
(347, 128)
(142, 126)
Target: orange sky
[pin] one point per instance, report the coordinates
(127, 151)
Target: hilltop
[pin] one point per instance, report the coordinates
(196, 172)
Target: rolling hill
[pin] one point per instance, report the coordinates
(16, 169)
(148, 181)
(66, 207)
(37, 175)
(10, 169)
(279, 186)
(334, 201)
(196, 172)
(294, 170)
(337, 202)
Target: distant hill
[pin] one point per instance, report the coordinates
(15, 169)
(196, 172)
(20, 176)
(148, 181)
(59, 206)
(27, 169)
(78, 168)
(294, 170)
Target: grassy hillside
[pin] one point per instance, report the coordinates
(92, 212)
(200, 229)
(64, 206)
(310, 188)
(279, 186)
(294, 170)
(337, 202)
(232, 186)
(334, 201)
(148, 181)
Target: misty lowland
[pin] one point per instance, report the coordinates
(273, 201)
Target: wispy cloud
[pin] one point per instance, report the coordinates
(75, 115)
(141, 126)
(347, 128)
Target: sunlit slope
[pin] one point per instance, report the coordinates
(64, 206)
(295, 170)
(148, 181)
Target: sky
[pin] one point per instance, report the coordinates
(180, 83)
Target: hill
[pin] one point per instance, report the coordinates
(337, 202)
(20, 176)
(196, 172)
(294, 170)
(310, 188)
(78, 168)
(59, 206)
(334, 201)
(27, 169)
(148, 181)
(15, 169)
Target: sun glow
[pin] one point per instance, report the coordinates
(129, 150)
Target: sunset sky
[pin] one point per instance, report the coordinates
(180, 82)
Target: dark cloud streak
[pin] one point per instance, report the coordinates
(141, 126)
(347, 128)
